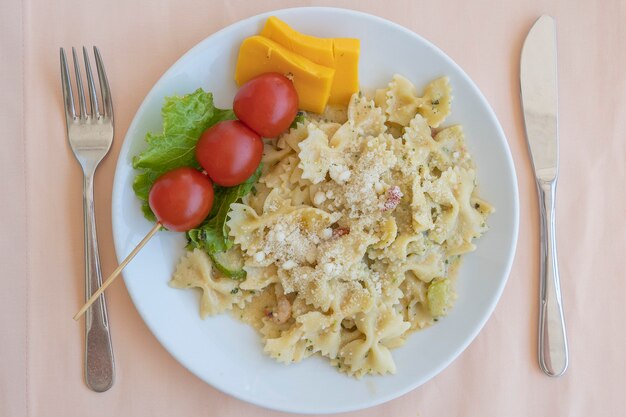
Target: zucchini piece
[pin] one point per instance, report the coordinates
(439, 296)
(229, 263)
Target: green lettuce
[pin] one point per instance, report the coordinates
(184, 120)
(212, 234)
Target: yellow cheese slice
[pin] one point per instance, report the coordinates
(342, 54)
(259, 55)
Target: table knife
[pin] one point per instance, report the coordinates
(538, 79)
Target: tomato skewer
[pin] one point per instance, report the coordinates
(180, 199)
(230, 151)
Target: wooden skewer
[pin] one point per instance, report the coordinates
(117, 271)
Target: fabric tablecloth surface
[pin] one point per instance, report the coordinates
(41, 243)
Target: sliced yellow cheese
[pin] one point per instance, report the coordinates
(346, 82)
(318, 50)
(259, 55)
(342, 54)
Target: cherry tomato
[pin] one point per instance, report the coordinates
(267, 104)
(230, 152)
(181, 198)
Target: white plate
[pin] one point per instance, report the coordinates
(228, 354)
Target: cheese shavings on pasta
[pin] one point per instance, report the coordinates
(354, 233)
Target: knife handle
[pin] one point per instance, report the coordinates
(552, 349)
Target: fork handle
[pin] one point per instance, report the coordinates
(99, 361)
(552, 349)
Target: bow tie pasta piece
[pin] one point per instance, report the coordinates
(315, 155)
(387, 230)
(344, 137)
(244, 224)
(311, 332)
(418, 133)
(338, 255)
(259, 277)
(450, 149)
(287, 236)
(435, 104)
(314, 287)
(416, 309)
(472, 214)
(290, 346)
(382, 328)
(364, 118)
(218, 293)
(425, 268)
(293, 137)
(283, 175)
(285, 179)
(442, 192)
(350, 298)
(315, 331)
(272, 154)
(421, 206)
(367, 119)
(401, 101)
(257, 198)
(322, 333)
(398, 250)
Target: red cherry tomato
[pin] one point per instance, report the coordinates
(230, 152)
(181, 198)
(267, 104)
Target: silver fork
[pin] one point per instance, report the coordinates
(90, 135)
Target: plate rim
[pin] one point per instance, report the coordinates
(321, 409)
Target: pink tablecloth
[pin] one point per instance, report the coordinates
(40, 206)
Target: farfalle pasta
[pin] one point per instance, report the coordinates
(354, 233)
(218, 295)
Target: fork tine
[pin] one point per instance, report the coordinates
(79, 85)
(107, 103)
(66, 83)
(93, 98)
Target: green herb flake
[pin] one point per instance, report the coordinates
(300, 117)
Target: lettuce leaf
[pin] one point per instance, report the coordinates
(184, 120)
(212, 234)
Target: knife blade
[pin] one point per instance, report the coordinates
(539, 94)
(538, 75)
